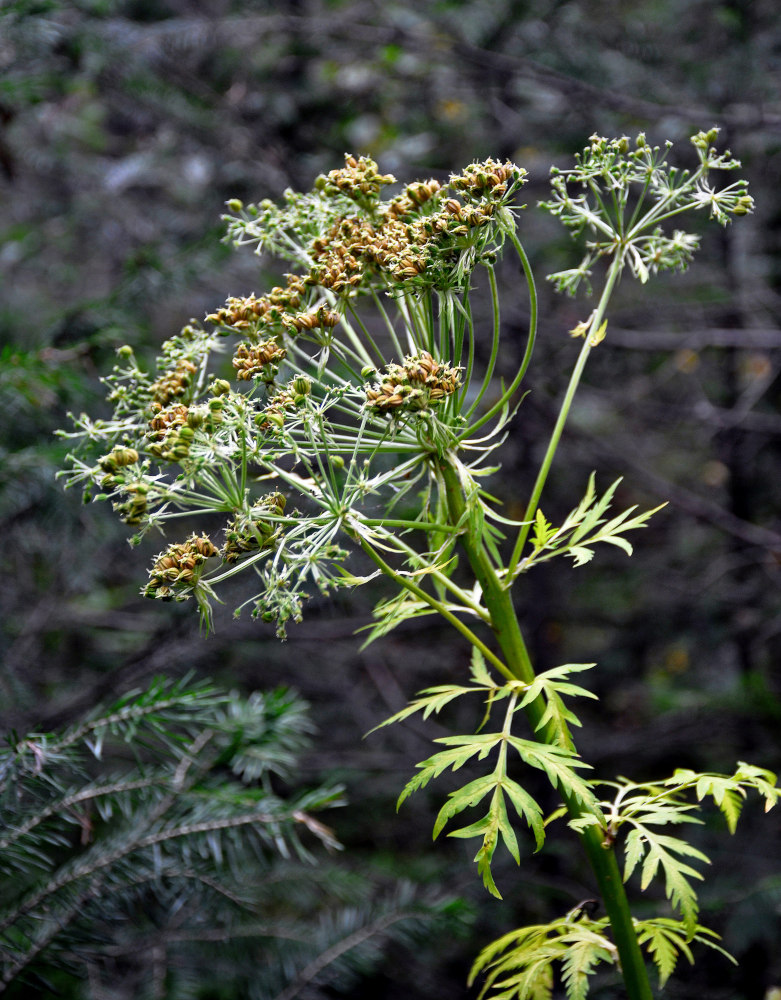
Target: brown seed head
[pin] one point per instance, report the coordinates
(173, 384)
(261, 359)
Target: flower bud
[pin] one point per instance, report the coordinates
(235, 204)
(743, 205)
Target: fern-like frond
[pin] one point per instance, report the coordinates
(665, 939)
(495, 826)
(657, 850)
(553, 685)
(645, 807)
(583, 528)
(519, 965)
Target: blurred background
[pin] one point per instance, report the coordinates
(124, 128)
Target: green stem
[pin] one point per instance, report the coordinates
(413, 588)
(504, 622)
(542, 475)
(532, 336)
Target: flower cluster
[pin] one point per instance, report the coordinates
(418, 240)
(133, 509)
(118, 458)
(170, 435)
(177, 570)
(252, 532)
(415, 196)
(418, 384)
(627, 227)
(339, 255)
(207, 425)
(249, 315)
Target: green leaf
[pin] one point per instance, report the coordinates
(665, 938)
(470, 795)
(580, 960)
(479, 671)
(580, 554)
(520, 964)
(655, 850)
(728, 791)
(526, 807)
(559, 764)
(431, 701)
(550, 684)
(463, 749)
(583, 527)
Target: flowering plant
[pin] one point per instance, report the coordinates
(346, 410)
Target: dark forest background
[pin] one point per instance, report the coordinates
(124, 128)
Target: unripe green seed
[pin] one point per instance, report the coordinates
(274, 418)
(196, 416)
(220, 387)
(302, 385)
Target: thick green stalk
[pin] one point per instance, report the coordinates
(504, 622)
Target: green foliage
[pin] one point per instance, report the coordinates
(172, 821)
(639, 810)
(168, 792)
(355, 416)
(520, 965)
(583, 528)
(558, 762)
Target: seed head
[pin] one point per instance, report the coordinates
(176, 570)
(250, 533)
(359, 179)
(258, 360)
(417, 385)
(173, 384)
